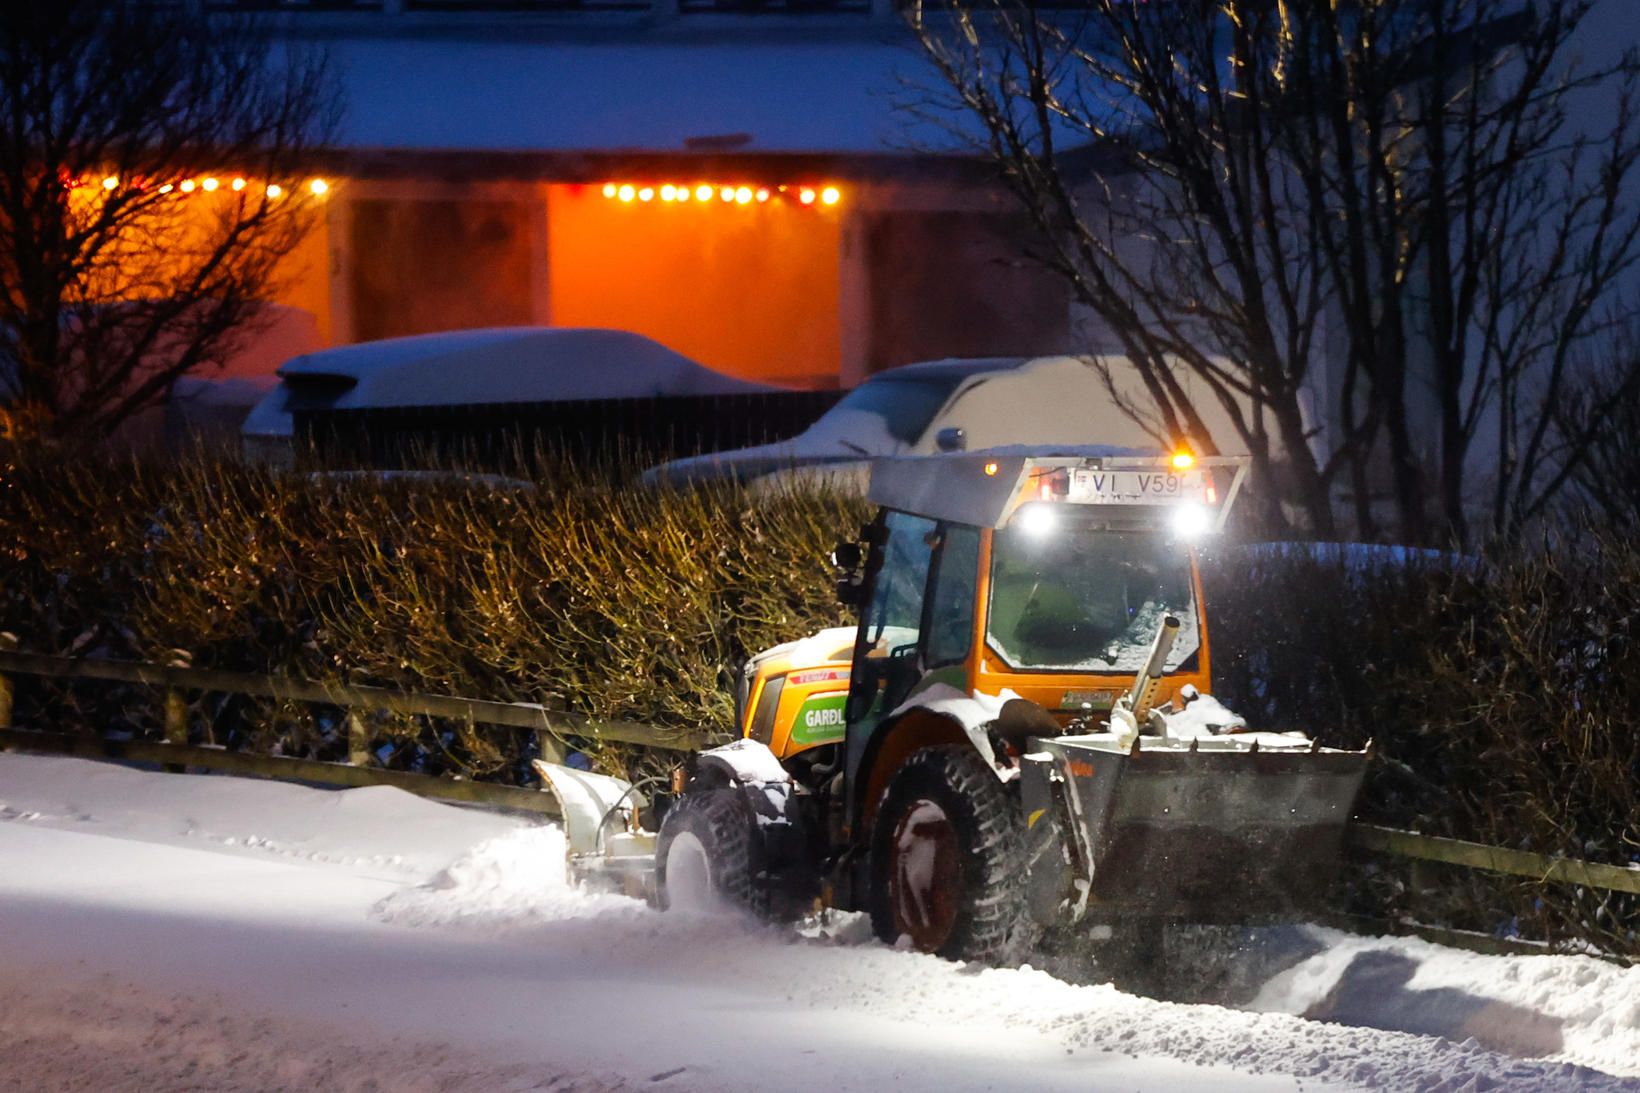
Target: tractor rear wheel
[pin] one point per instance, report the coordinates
(947, 862)
(708, 856)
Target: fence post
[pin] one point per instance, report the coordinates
(8, 694)
(176, 708)
(549, 747)
(358, 740)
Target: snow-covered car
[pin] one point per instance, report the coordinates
(477, 367)
(921, 409)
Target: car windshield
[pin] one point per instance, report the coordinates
(880, 412)
(1075, 598)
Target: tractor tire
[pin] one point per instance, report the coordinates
(947, 860)
(709, 854)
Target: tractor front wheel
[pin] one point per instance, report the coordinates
(947, 867)
(707, 857)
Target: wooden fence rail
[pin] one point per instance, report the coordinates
(521, 715)
(550, 722)
(1493, 859)
(281, 767)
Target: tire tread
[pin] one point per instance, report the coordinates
(994, 926)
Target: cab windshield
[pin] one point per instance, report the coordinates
(1071, 597)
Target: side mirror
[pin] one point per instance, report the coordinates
(850, 593)
(846, 555)
(951, 439)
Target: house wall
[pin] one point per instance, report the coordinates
(421, 265)
(802, 296)
(955, 283)
(751, 290)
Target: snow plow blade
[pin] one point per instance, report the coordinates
(604, 846)
(1214, 830)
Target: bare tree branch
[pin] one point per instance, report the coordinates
(119, 273)
(1225, 182)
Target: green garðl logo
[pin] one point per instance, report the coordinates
(820, 720)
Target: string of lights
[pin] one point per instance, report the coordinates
(705, 192)
(205, 184)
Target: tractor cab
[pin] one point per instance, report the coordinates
(1028, 588)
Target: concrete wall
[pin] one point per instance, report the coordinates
(955, 283)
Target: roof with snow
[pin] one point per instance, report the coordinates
(487, 366)
(637, 95)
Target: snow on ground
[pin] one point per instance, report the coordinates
(161, 931)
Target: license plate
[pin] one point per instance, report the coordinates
(1159, 487)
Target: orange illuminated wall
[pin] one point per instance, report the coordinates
(749, 289)
(189, 226)
(303, 280)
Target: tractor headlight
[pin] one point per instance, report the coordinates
(1038, 520)
(1191, 521)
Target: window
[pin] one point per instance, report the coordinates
(951, 604)
(1088, 600)
(897, 598)
(420, 266)
(895, 409)
(893, 618)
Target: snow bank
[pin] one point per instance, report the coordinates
(385, 830)
(1569, 1007)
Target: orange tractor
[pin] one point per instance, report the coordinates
(1017, 736)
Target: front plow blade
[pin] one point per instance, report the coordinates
(604, 847)
(1219, 832)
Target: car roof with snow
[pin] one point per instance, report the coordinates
(488, 366)
(513, 364)
(951, 368)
